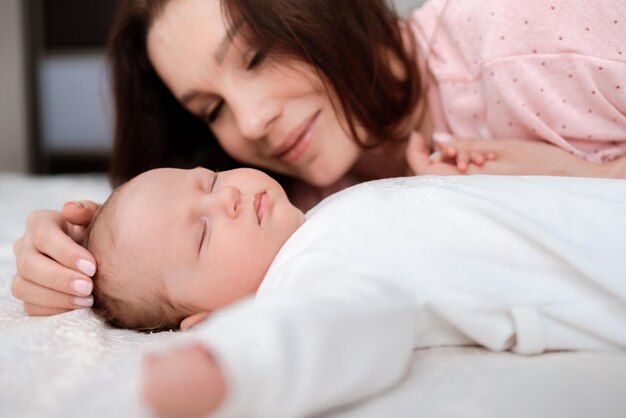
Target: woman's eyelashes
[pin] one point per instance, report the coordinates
(257, 60)
(215, 113)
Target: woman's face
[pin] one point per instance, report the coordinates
(265, 113)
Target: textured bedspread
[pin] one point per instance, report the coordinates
(71, 365)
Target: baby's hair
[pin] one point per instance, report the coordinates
(145, 312)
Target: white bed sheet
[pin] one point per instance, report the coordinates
(71, 365)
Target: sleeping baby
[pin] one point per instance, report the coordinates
(285, 305)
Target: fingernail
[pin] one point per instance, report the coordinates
(442, 137)
(84, 302)
(86, 267)
(77, 203)
(435, 156)
(82, 286)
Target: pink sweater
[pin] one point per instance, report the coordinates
(533, 69)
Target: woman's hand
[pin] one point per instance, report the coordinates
(517, 157)
(184, 382)
(418, 157)
(509, 157)
(53, 270)
(457, 153)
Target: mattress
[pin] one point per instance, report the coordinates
(72, 365)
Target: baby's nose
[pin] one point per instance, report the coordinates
(227, 199)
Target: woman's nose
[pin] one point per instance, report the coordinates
(255, 113)
(226, 201)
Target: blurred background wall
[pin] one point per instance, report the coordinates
(55, 106)
(13, 122)
(404, 6)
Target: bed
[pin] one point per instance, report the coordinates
(72, 365)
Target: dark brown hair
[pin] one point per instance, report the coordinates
(151, 128)
(349, 42)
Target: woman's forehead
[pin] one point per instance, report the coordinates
(183, 43)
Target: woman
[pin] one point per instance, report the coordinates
(332, 93)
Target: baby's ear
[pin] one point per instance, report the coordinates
(192, 320)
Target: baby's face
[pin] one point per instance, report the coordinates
(201, 238)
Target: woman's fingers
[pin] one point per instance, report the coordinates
(464, 152)
(78, 215)
(32, 293)
(477, 158)
(417, 154)
(45, 236)
(35, 310)
(53, 271)
(46, 272)
(462, 159)
(79, 212)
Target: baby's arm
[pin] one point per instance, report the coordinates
(294, 355)
(185, 381)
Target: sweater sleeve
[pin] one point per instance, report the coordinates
(301, 354)
(576, 102)
(531, 70)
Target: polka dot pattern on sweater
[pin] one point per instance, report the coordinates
(528, 70)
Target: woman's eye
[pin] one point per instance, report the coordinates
(215, 113)
(256, 60)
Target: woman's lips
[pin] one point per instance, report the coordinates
(261, 201)
(297, 142)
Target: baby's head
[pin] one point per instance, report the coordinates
(173, 245)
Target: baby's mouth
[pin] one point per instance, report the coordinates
(260, 203)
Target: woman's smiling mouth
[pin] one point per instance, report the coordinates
(297, 141)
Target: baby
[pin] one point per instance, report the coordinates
(174, 243)
(342, 299)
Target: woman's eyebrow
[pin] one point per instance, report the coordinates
(218, 56)
(222, 48)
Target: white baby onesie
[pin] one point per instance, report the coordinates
(526, 264)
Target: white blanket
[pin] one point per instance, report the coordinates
(71, 365)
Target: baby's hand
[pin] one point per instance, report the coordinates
(457, 151)
(183, 382)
